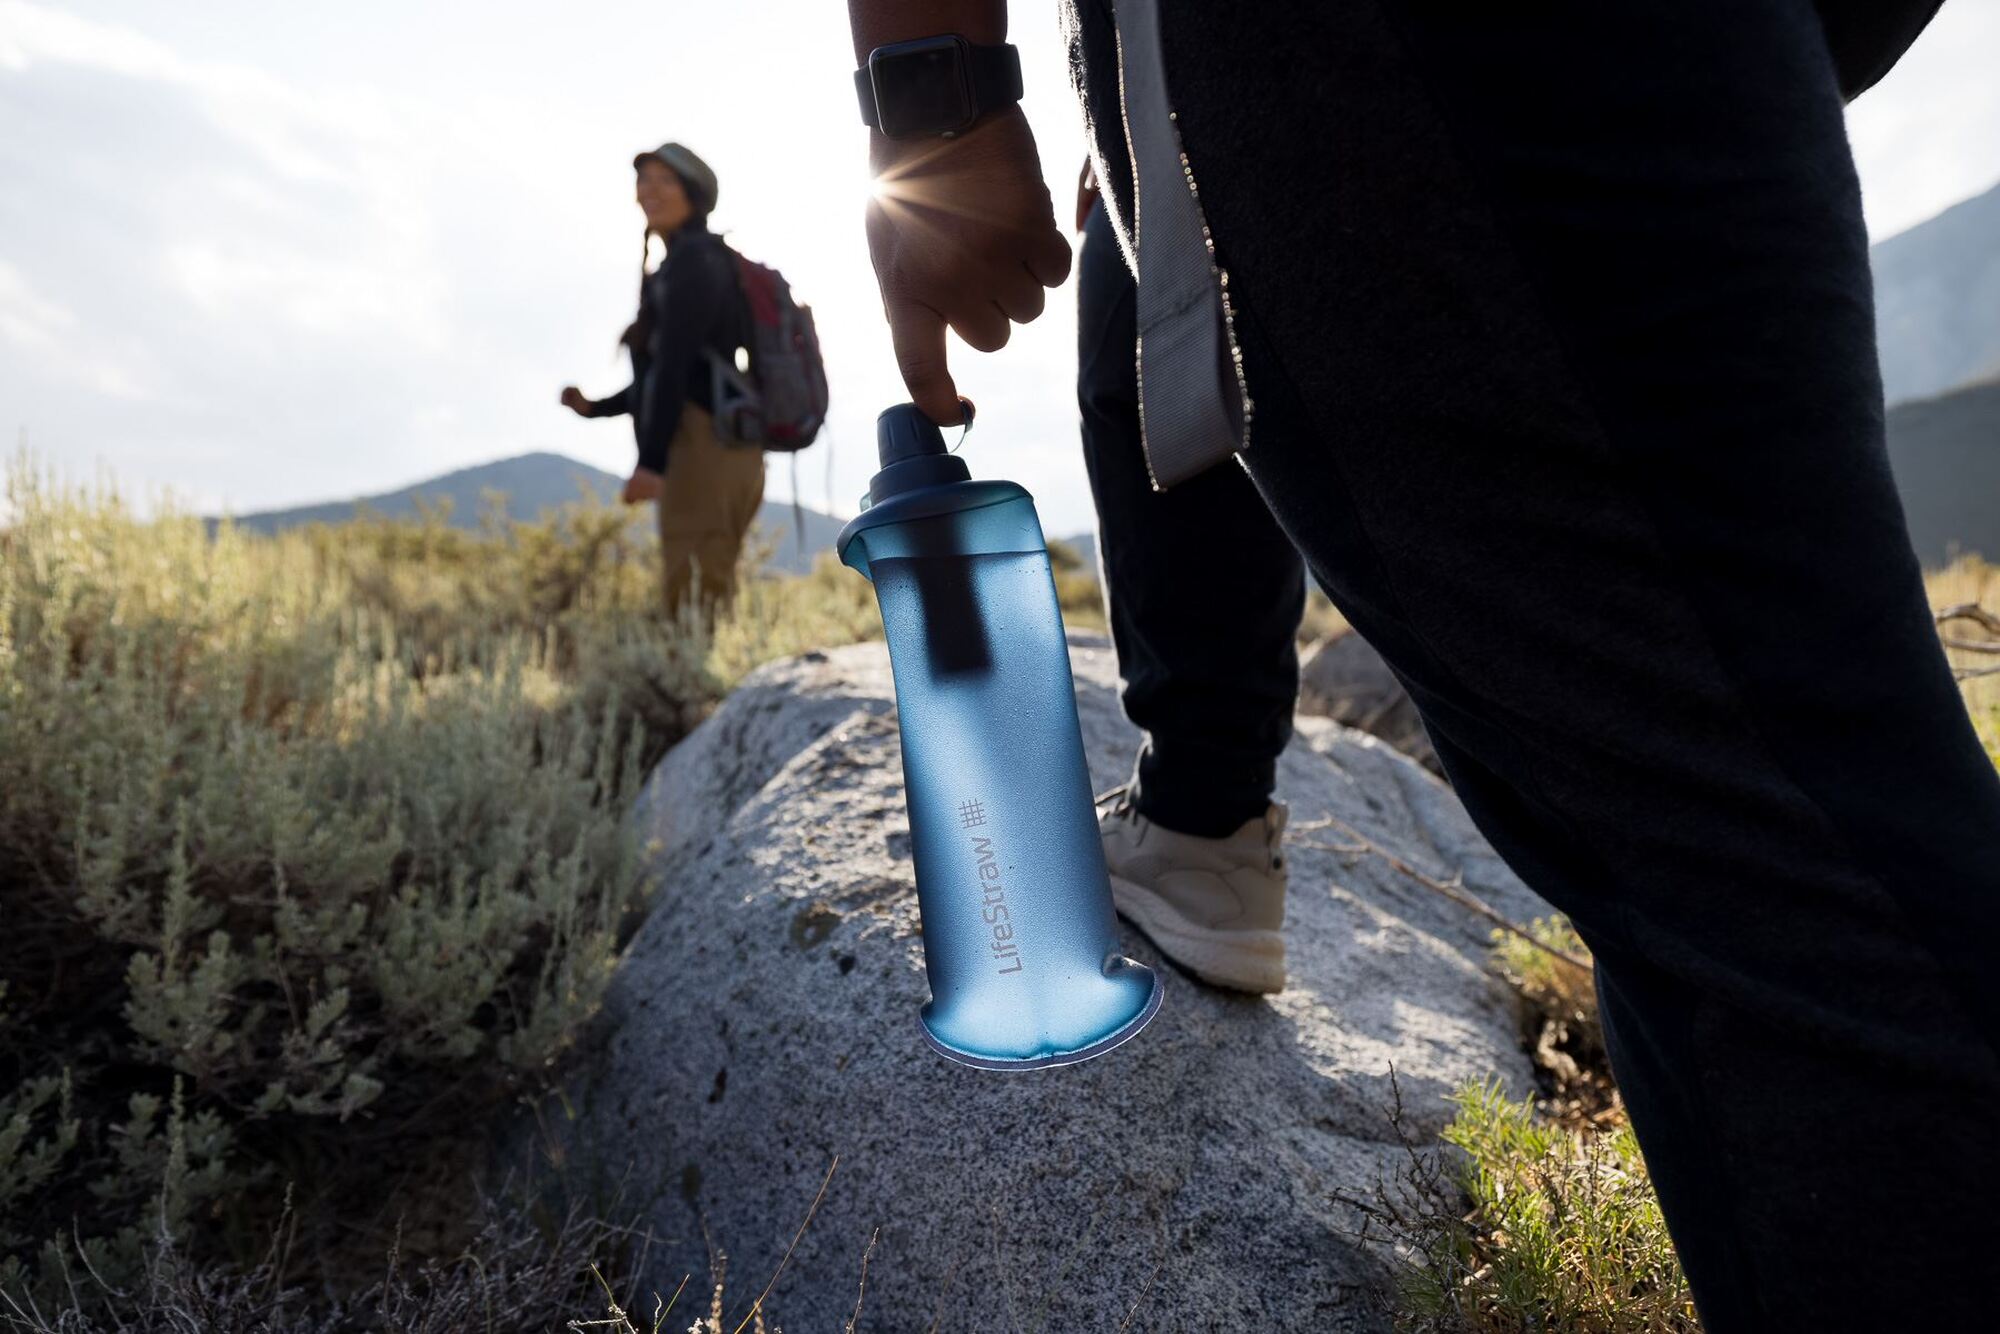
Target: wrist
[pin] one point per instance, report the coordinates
(990, 138)
(937, 86)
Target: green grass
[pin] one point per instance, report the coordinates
(1563, 1233)
(1543, 1217)
(1540, 1215)
(1557, 1005)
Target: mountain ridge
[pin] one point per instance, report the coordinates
(1945, 453)
(1937, 300)
(528, 486)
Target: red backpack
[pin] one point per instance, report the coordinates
(779, 403)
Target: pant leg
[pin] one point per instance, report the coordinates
(712, 495)
(1202, 589)
(1558, 326)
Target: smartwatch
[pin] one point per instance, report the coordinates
(935, 86)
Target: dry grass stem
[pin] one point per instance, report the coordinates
(1453, 889)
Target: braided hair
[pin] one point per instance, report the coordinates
(641, 328)
(699, 205)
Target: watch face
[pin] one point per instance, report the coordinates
(921, 88)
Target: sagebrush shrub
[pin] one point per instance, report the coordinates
(312, 846)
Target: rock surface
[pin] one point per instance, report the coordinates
(1341, 677)
(764, 1020)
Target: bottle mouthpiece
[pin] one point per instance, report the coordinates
(912, 453)
(904, 432)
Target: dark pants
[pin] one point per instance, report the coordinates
(1558, 323)
(1213, 690)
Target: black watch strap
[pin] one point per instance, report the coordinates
(995, 73)
(996, 76)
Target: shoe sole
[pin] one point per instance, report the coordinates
(1252, 961)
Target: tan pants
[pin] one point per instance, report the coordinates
(712, 495)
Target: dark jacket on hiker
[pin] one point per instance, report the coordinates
(688, 307)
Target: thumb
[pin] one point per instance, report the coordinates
(917, 332)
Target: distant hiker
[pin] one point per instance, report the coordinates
(1557, 324)
(691, 312)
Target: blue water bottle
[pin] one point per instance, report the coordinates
(1020, 944)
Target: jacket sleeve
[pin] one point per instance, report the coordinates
(695, 282)
(617, 405)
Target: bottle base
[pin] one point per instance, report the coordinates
(1129, 1029)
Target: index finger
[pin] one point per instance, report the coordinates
(917, 333)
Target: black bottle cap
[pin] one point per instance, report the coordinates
(912, 453)
(904, 432)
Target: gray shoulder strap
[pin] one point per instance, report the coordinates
(1194, 403)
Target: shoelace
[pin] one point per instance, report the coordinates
(1118, 798)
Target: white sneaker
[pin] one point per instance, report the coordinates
(1215, 906)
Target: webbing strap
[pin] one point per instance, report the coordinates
(1194, 405)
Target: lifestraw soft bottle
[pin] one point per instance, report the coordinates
(1020, 944)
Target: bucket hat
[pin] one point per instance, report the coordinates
(696, 175)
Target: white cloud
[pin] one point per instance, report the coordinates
(1928, 135)
(278, 120)
(253, 294)
(28, 319)
(48, 337)
(30, 33)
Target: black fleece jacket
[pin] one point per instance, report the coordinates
(692, 306)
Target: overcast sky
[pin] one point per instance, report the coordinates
(267, 254)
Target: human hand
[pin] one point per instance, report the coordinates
(963, 234)
(1086, 193)
(573, 399)
(644, 484)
